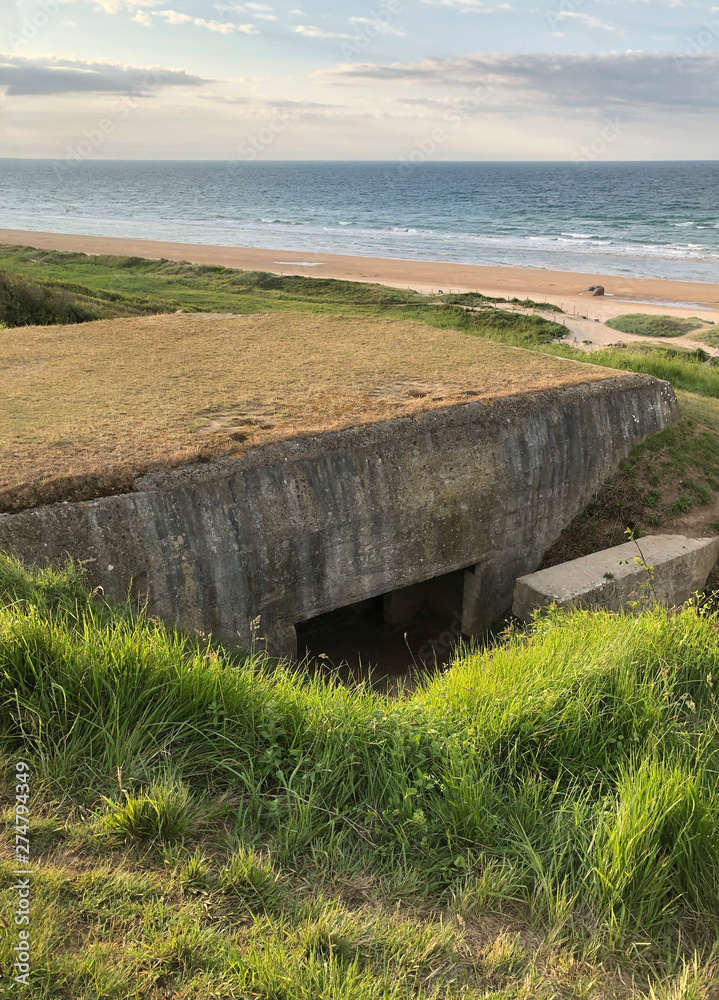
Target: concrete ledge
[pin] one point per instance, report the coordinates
(613, 579)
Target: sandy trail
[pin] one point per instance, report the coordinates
(591, 335)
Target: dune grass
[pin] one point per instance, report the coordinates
(110, 286)
(26, 302)
(685, 370)
(106, 287)
(539, 821)
(648, 325)
(709, 335)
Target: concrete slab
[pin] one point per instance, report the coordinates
(615, 578)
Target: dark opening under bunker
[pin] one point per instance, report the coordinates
(406, 631)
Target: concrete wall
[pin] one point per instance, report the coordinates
(295, 529)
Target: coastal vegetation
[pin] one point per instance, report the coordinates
(669, 482)
(647, 325)
(538, 821)
(709, 335)
(105, 287)
(684, 369)
(23, 302)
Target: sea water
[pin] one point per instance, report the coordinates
(655, 220)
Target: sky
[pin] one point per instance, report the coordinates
(360, 79)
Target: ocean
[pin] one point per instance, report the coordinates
(654, 220)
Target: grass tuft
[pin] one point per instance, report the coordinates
(165, 812)
(249, 876)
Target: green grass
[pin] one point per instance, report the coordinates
(23, 303)
(670, 482)
(669, 477)
(685, 370)
(710, 336)
(539, 821)
(647, 325)
(106, 287)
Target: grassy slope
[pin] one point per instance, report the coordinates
(540, 821)
(686, 370)
(133, 285)
(670, 483)
(647, 325)
(23, 302)
(710, 336)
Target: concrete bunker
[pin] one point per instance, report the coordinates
(448, 458)
(295, 530)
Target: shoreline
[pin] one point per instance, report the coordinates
(562, 288)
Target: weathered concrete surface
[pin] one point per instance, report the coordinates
(616, 577)
(295, 529)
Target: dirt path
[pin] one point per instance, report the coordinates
(591, 334)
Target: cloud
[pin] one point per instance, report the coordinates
(116, 6)
(260, 11)
(611, 81)
(380, 27)
(312, 31)
(46, 76)
(223, 27)
(144, 16)
(588, 20)
(469, 6)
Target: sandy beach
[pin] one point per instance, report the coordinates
(563, 288)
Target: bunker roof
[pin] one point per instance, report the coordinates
(90, 407)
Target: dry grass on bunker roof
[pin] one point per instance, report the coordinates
(91, 406)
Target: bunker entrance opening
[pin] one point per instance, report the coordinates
(402, 633)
